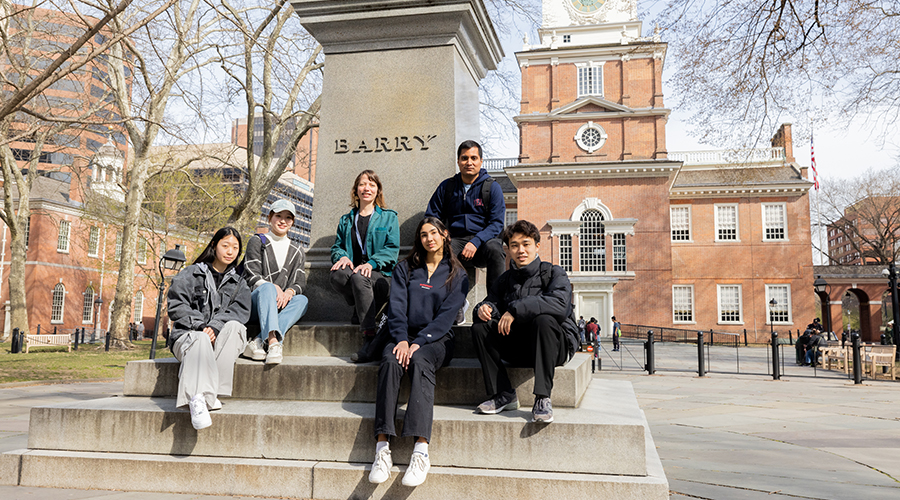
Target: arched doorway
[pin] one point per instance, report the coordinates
(855, 314)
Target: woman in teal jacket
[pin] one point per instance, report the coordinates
(365, 251)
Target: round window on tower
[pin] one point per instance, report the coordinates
(590, 137)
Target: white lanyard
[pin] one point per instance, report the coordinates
(356, 229)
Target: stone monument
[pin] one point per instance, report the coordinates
(400, 92)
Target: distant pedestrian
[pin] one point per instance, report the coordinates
(593, 329)
(139, 329)
(581, 329)
(616, 333)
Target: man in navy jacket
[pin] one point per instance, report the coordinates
(473, 221)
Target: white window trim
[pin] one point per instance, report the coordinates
(784, 211)
(97, 249)
(737, 222)
(90, 321)
(62, 306)
(590, 64)
(690, 224)
(719, 304)
(790, 312)
(141, 256)
(693, 310)
(68, 226)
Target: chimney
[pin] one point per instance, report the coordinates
(784, 139)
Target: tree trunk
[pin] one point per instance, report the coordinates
(124, 299)
(18, 309)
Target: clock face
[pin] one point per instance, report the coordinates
(587, 6)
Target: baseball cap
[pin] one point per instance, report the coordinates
(281, 205)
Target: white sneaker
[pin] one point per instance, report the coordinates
(274, 357)
(254, 350)
(381, 467)
(417, 470)
(200, 418)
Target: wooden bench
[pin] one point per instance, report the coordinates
(835, 355)
(48, 340)
(879, 356)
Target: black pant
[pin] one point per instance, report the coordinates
(489, 256)
(365, 294)
(538, 344)
(421, 370)
(615, 340)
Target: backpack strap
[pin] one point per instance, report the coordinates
(545, 272)
(263, 239)
(486, 192)
(485, 195)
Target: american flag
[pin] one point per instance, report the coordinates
(812, 162)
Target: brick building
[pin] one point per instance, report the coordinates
(304, 156)
(868, 224)
(35, 36)
(700, 240)
(72, 261)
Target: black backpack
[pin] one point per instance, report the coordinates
(569, 325)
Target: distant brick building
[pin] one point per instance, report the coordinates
(304, 156)
(867, 232)
(699, 240)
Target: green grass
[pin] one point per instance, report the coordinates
(90, 361)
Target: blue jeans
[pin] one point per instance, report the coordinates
(265, 311)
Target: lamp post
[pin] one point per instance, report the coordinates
(98, 303)
(891, 273)
(172, 260)
(776, 369)
(821, 287)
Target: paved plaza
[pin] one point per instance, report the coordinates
(730, 436)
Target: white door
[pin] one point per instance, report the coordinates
(595, 306)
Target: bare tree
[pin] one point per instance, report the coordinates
(741, 66)
(164, 56)
(865, 210)
(34, 114)
(272, 65)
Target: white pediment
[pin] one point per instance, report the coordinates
(574, 106)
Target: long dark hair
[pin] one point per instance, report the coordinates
(416, 257)
(208, 254)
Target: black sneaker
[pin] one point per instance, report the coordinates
(542, 411)
(498, 403)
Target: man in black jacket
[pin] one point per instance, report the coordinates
(525, 320)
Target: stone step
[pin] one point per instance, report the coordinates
(606, 435)
(342, 340)
(321, 378)
(309, 480)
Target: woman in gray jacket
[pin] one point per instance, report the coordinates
(209, 303)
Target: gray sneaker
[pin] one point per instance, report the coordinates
(542, 412)
(500, 402)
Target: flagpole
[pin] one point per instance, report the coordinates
(812, 161)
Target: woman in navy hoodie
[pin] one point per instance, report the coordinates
(428, 288)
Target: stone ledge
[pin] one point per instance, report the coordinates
(336, 379)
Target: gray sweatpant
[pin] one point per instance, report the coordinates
(206, 368)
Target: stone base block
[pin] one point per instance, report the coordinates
(336, 379)
(605, 435)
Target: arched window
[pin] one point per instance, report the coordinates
(591, 242)
(59, 302)
(138, 307)
(87, 306)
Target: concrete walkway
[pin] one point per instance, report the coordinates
(728, 436)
